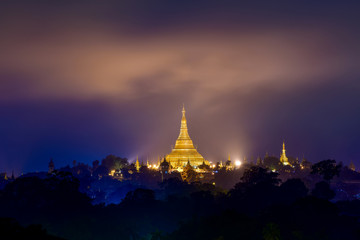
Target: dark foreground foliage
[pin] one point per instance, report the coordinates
(260, 206)
(11, 229)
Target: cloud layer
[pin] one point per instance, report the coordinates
(83, 80)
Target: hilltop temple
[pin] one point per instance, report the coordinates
(184, 150)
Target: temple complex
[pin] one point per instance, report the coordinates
(184, 150)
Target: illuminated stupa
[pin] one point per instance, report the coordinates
(283, 158)
(184, 150)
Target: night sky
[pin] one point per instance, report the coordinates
(83, 79)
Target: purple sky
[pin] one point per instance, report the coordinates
(83, 79)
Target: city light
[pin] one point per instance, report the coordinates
(237, 163)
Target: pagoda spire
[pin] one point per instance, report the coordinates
(183, 128)
(284, 150)
(283, 157)
(137, 164)
(284, 147)
(184, 137)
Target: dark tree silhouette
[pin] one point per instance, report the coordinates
(101, 171)
(328, 169)
(291, 190)
(322, 190)
(258, 175)
(95, 164)
(140, 195)
(271, 231)
(272, 162)
(113, 162)
(11, 229)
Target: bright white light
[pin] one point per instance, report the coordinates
(237, 163)
(213, 165)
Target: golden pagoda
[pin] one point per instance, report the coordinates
(137, 164)
(283, 159)
(184, 150)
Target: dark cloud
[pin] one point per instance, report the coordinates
(79, 80)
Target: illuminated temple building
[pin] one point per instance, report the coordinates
(283, 158)
(184, 150)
